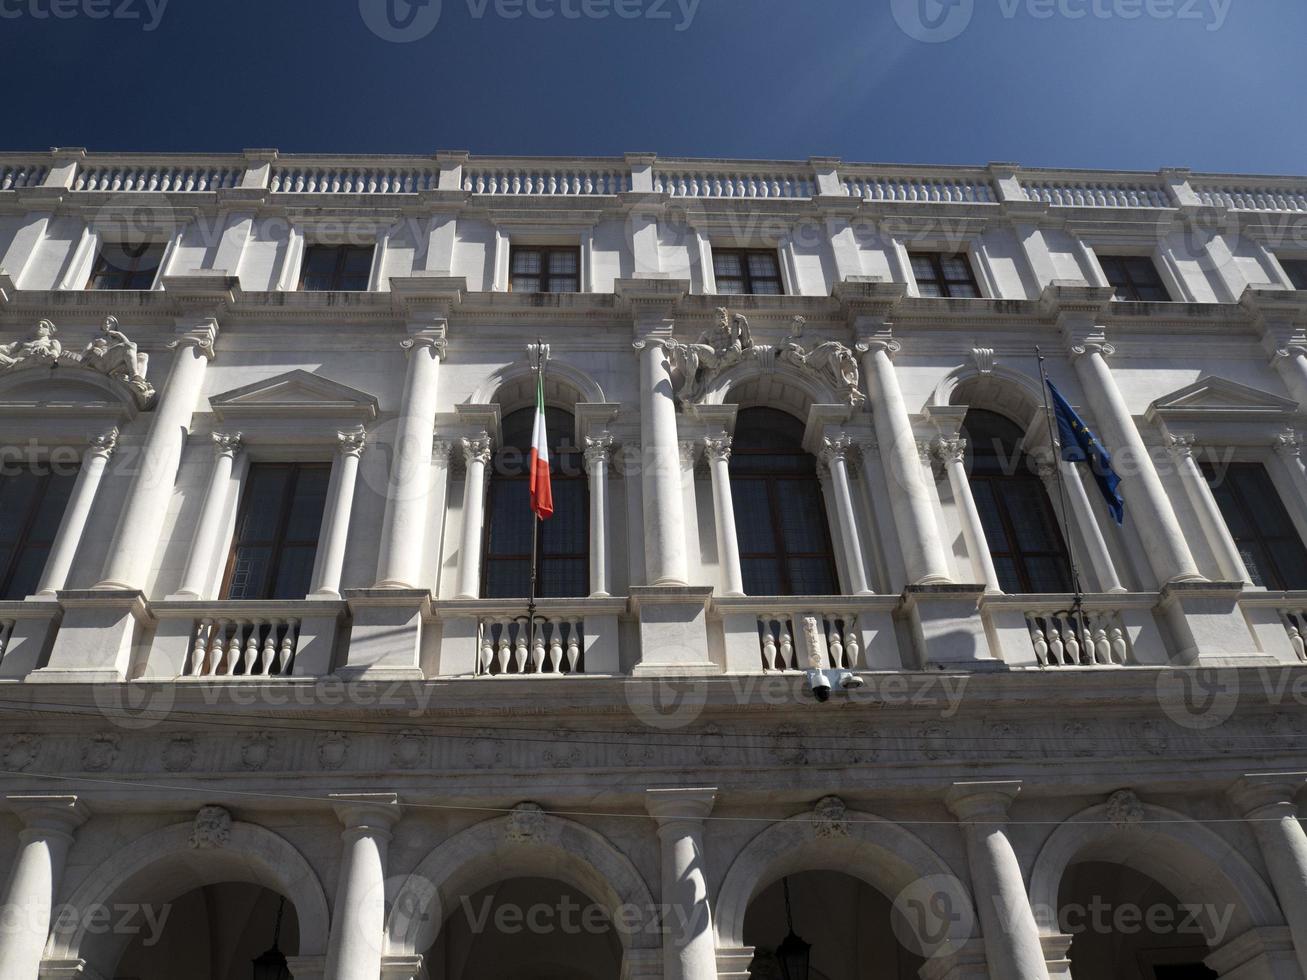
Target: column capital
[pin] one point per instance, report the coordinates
(103, 443)
(367, 812)
(878, 345)
(669, 806)
(1086, 346)
(1287, 444)
(598, 452)
(836, 449)
(718, 447)
(427, 338)
(351, 442)
(982, 802)
(476, 449)
(948, 451)
(1268, 794)
(1181, 446)
(46, 814)
(227, 444)
(200, 333)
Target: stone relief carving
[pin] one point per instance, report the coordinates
(815, 642)
(408, 749)
(20, 752)
(100, 753)
(40, 348)
(256, 751)
(830, 818)
(722, 346)
(1124, 809)
(111, 353)
(332, 750)
(526, 823)
(835, 363)
(179, 753)
(212, 828)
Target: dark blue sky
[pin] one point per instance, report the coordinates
(1208, 84)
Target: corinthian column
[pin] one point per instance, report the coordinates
(689, 949)
(718, 449)
(76, 514)
(1141, 487)
(404, 526)
(141, 524)
(199, 565)
(952, 453)
(48, 826)
(358, 923)
(1012, 945)
(335, 522)
(598, 450)
(476, 453)
(664, 507)
(1266, 800)
(835, 455)
(914, 518)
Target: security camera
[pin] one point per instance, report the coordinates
(820, 685)
(848, 680)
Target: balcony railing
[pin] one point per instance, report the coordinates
(489, 638)
(243, 647)
(545, 179)
(20, 174)
(1040, 630)
(1278, 196)
(777, 634)
(870, 185)
(1279, 622)
(1096, 192)
(1062, 639)
(731, 180)
(507, 647)
(346, 179)
(149, 177)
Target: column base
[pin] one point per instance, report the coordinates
(386, 637)
(947, 627)
(1208, 625)
(673, 630)
(97, 638)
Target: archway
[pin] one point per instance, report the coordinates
(166, 865)
(526, 844)
(527, 928)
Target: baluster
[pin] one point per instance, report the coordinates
(768, 645)
(487, 652)
(538, 649)
(518, 664)
(852, 645)
(505, 644)
(1086, 642)
(268, 655)
(1120, 651)
(1055, 646)
(834, 644)
(251, 648)
(1038, 642)
(1102, 647)
(231, 655)
(195, 664)
(788, 660)
(217, 650)
(588, 186)
(290, 642)
(1296, 637)
(556, 646)
(574, 646)
(6, 630)
(1071, 643)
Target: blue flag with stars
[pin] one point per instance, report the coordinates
(1079, 445)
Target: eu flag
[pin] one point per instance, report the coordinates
(1079, 445)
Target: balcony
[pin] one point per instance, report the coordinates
(1040, 631)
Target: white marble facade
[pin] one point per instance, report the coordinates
(1003, 796)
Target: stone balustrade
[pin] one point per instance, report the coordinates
(1097, 193)
(243, 647)
(310, 179)
(22, 174)
(1089, 639)
(535, 179)
(6, 631)
(1279, 622)
(780, 634)
(508, 646)
(786, 646)
(871, 185)
(160, 177)
(1116, 630)
(714, 181)
(1276, 196)
(489, 638)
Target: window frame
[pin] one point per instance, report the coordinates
(544, 275)
(496, 481)
(101, 265)
(1270, 566)
(278, 542)
(1120, 260)
(338, 273)
(24, 537)
(940, 278)
(746, 277)
(1292, 264)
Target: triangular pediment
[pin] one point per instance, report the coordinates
(295, 394)
(1219, 397)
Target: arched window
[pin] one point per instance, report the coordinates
(564, 547)
(780, 516)
(1020, 525)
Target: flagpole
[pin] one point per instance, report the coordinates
(1056, 444)
(535, 526)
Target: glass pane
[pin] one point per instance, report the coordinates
(928, 289)
(1028, 511)
(956, 267)
(727, 264)
(6, 554)
(249, 572)
(1254, 561)
(1048, 575)
(358, 261)
(963, 290)
(812, 576)
(803, 515)
(562, 262)
(305, 521)
(567, 532)
(1008, 579)
(525, 284)
(17, 495)
(564, 284)
(1151, 294)
(320, 260)
(508, 578)
(762, 576)
(730, 287)
(1236, 519)
(510, 518)
(1290, 562)
(50, 511)
(27, 571)
(922, 267)
(990, 519)
(763, 264)
(763, 287)
(294, 573)
(263, 503)
(753, 519)
(526, 260)
(563, 577)
(1296, 270)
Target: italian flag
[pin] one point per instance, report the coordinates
(542, 494)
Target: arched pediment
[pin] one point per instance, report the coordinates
(62, 402)
(513, 386)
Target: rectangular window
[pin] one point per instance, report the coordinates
(944, 275)
(121, 265)
(1261, 527)
(277, 531)
(1296, 270)
(336, 268)
(747, 270)
(1135, 278)
(540, 269)
(31, 507)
